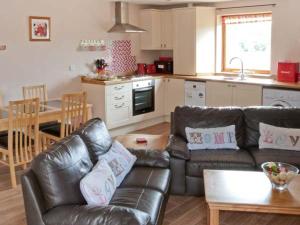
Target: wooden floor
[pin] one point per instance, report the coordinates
(181, 210)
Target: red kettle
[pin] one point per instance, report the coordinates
(141, 68)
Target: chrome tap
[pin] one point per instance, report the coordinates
(241, 74)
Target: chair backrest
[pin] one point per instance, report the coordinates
(23, 131)
(37, 91)
(74, 112)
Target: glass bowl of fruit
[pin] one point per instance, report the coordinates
(280, 174)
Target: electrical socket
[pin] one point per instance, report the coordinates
(72, 68)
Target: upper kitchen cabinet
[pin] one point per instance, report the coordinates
(194, 40)
(159, 29)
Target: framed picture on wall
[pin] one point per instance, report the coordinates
(39, 28)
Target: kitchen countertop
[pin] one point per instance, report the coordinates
(88, 80)
(266, 82)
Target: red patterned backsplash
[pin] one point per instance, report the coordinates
(121, 60)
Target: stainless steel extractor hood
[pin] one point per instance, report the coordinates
(122, 25)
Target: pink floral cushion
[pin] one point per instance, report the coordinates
(120, 161)
(98, 186)
(278, 137)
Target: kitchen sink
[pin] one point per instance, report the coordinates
(234, 78)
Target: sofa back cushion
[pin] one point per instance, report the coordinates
(206, 117)
(60, 169)
(96, 137)
(280, 117)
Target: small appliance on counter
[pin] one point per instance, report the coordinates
(143, 69)
(151, 69)
(288, 72)
(164, 65)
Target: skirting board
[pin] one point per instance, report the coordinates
(137, 126)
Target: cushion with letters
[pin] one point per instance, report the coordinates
(98, 186)
(211, 138)
(272, 137)
(120, 161)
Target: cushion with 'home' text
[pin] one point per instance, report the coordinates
(211, 138)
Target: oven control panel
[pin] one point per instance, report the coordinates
(143, 84)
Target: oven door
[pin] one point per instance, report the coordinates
(143, 100)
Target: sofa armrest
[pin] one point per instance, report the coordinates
(177, 147)
(151, 158)
(33, 199)
(95, 215)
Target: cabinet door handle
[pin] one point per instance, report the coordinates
(229, 85)
(161, 45)
(119, 88)
(165, 45)
(233, 86)
(119, 98)
(119, 106)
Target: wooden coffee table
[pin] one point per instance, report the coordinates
(155, 142)
(247, 192)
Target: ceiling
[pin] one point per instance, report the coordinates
(167, 2)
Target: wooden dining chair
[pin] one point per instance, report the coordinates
(21, 144)
(36, 91)
(74, 114)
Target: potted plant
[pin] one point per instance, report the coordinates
(100, 66)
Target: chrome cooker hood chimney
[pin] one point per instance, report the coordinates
(122, 25)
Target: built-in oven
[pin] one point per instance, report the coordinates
(143, 96)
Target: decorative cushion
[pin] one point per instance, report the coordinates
(98, 186)
(211, 138)
(120, 161)
(280, 117)
(279, 137)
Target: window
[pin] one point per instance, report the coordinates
(248, 37)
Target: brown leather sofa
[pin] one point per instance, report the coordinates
(187, 166)
(51, 186)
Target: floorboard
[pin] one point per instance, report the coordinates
(181, 210)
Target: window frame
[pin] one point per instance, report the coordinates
(223, 66)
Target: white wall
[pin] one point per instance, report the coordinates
(286, 26)
(28, 63)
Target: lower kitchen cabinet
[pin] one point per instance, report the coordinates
(230, 94)
(114, 104)
(174, 94)
(218, 94)
(159, 97)
(247, 95)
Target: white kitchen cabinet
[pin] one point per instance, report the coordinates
(218, 94)
(113, 103)
(118, 104)
(159, 29)
(230, 94)
(247, 95)
(159, 97)
(166, 29)
(174, 94)
(194, 40)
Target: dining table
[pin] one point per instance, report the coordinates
(50, 110)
